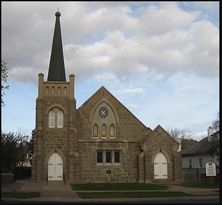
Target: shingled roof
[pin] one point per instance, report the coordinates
(56, 65)
(203, 147)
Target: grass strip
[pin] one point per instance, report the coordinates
(91, 195)
(200, 185)
(20, 195)
(118, 186)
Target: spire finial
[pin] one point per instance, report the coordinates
(57, 14)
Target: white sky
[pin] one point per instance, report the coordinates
(161, 60)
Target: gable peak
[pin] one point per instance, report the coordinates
(103, 88)
(159, 128)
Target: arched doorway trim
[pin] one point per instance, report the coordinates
(160, 166)
(55, 167)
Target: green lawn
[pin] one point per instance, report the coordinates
(90, 195)
(19, 195)
(118, 186)
(200, 185)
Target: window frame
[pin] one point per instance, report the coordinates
(112, 160)
(119, 156)
(110, 129)
(56, 118)
(200, 161)
(95, 128)
(110, 157)
(52, 119)
(59, 111)
(99, 151)
(103, 131)
(190, 163)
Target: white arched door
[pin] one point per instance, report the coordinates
(160, 166)
(55, 168)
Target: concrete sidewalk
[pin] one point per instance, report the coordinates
(52, 189)
(22, 185)
(194, 191)
(58, 189)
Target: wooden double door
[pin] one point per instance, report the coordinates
(55, 168)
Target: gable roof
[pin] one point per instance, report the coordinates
(56, 65)
(159, 127)
(203, 147)
(103, 89)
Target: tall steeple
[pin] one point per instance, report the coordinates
(56, 65)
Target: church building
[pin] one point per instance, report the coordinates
(99, 142)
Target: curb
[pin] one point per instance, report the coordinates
(62, 199)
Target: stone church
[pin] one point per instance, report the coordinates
(101, 141)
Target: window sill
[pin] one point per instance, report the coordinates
(108, 164)
(56, 128)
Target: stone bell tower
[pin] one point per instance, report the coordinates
(55, 133)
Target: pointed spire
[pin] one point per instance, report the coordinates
(56, 65)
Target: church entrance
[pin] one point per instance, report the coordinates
(55, 168)
(160, 166)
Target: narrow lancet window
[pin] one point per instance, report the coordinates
(95, 130)
(59, 91)
(51, 119)
(59, 119)
(104, 130)
(112, 131)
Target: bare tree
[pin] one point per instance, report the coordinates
(176, 133)
(216, 123)
(4, 75)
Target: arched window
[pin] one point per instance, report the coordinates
(51, 119)
(95, 130)
(56, 118)
(104, 130)
(59, 119)
(65, 90)
(53, 90)
(112, 131)
(59, 91)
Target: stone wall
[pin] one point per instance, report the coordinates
(125, 171)
(159, 141)
(49, 140)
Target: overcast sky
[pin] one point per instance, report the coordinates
(160, 59)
